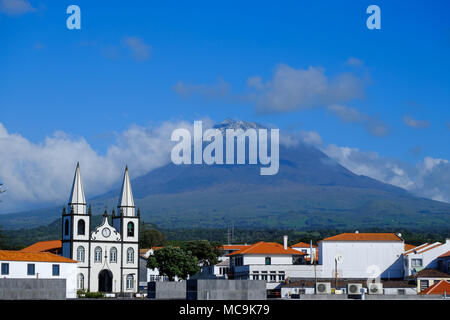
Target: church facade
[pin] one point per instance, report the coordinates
(108, 256)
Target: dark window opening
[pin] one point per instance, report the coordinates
(130, 229)
(81, 226)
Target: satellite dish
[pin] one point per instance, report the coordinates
(339, 258)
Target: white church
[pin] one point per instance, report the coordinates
(108, 257)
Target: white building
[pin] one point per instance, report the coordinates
(360, 255)
(268, 261)
(42, 265)
(108, 256)
(424, 256)
(307, 249)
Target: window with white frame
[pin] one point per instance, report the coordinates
(80, 281)
(130, 282)
(416, 262)
(113, 255)
(130, 255)
(98, 254)
(80, 253)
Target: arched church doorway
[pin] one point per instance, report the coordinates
(105, 281)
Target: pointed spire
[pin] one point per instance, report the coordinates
(77, 200)
(126, 201)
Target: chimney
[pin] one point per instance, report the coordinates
(285, 242)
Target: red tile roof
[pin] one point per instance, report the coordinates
(9, 255)
(430, 273)
(409, 247)
(438, 288)
(447, 254)
(267, 248)
(364, 237)
(43, 246)
(302, 245)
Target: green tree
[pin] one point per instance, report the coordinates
(149, 238)
(206, 252)
(173, 261)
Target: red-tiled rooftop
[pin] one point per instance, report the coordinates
(364, 237)
(438, 288)
(447, 254)
(42, 246)
(10, 255)
(302, 245)
(267, 248)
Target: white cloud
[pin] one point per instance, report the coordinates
(140, 50)
(16, 7)
(354, 62)
(347, 114)
(413, 123)
(40, 173)
(295, 89)
(429, 178)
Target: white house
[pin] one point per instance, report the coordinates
(42, 265)
(306, 249)
(268, 261)
(424, 256)
(360, 255)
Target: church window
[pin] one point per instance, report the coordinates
(80, 254)
(66, 227)
(80, 281)
(130, 282)
(130, 229)
(113, 255)
(81, 226)
(98, 254)
(130, 255)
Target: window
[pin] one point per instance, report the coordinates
(130, 255)
(268, 260)
(5, 268)
(273, 278)
(255, 277)
(264, 277)
(80, 281)
(55, 269)
(281, 277)
(113, 255)
(130, 229)
(80, 254)
(416, 262)
(66, 227)
(81, 225)
(130, 282)
(424, 284)
(98, 254)
(30, 269)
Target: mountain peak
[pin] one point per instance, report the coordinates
(229, 123)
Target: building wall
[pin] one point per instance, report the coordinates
(212, 289)
(429, 258)
(359, 255)
(261, 259)
(43, 270)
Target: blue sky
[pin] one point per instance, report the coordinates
(124, 66)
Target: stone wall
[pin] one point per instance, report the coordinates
(23, 289)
